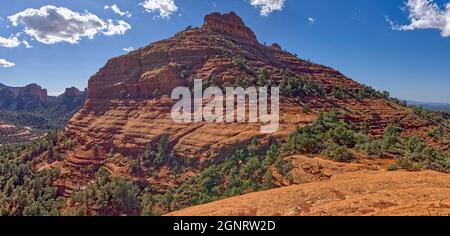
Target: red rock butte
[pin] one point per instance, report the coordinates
(122, 115)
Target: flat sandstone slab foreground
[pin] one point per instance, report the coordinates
(365, 193)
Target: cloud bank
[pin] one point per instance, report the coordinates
(164, 8)
(117, 10)
(10, 42)
(425, 14)
(6, 64)
(268, 6)
(51, 24)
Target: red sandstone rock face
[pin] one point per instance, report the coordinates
(72, 91)
(34, 90)
(229, 24)
(120, 113)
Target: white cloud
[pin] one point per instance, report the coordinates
(6, 64)
(10, 42)
(164, 8)
(119, 28)
(312, 20)
(117, 10)
(129, 49)
(51, 24)
(425, 14)
(268, 6)
(27, 45)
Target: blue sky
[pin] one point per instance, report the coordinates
(385, 43)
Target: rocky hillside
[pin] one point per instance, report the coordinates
(121, 113)
(124, 135)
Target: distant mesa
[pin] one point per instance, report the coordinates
(72, 91)
(31, 106)
(31, 91)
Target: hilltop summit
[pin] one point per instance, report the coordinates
(229, 24)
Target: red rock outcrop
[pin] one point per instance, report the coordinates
(229, 24)
(72, 92)
(35, 91)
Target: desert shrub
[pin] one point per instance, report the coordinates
(271, 155)
(414, 144)
(392, 167)
(125, 194)
(268, 180)
(294, 86)
(342, 135)
(306, 108)
(440, 132)
(391, 138)
(372, 148)
(147, 204)
(327, 130)
(305, 141)
(416, 157)
(339, 153)
(134, 166)
(162, 156)
(405, 163)
(240, 62)
(361, 138)
(341, 93)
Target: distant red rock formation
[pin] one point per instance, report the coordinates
(34, 90)
(31, 91)
(72, 91)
